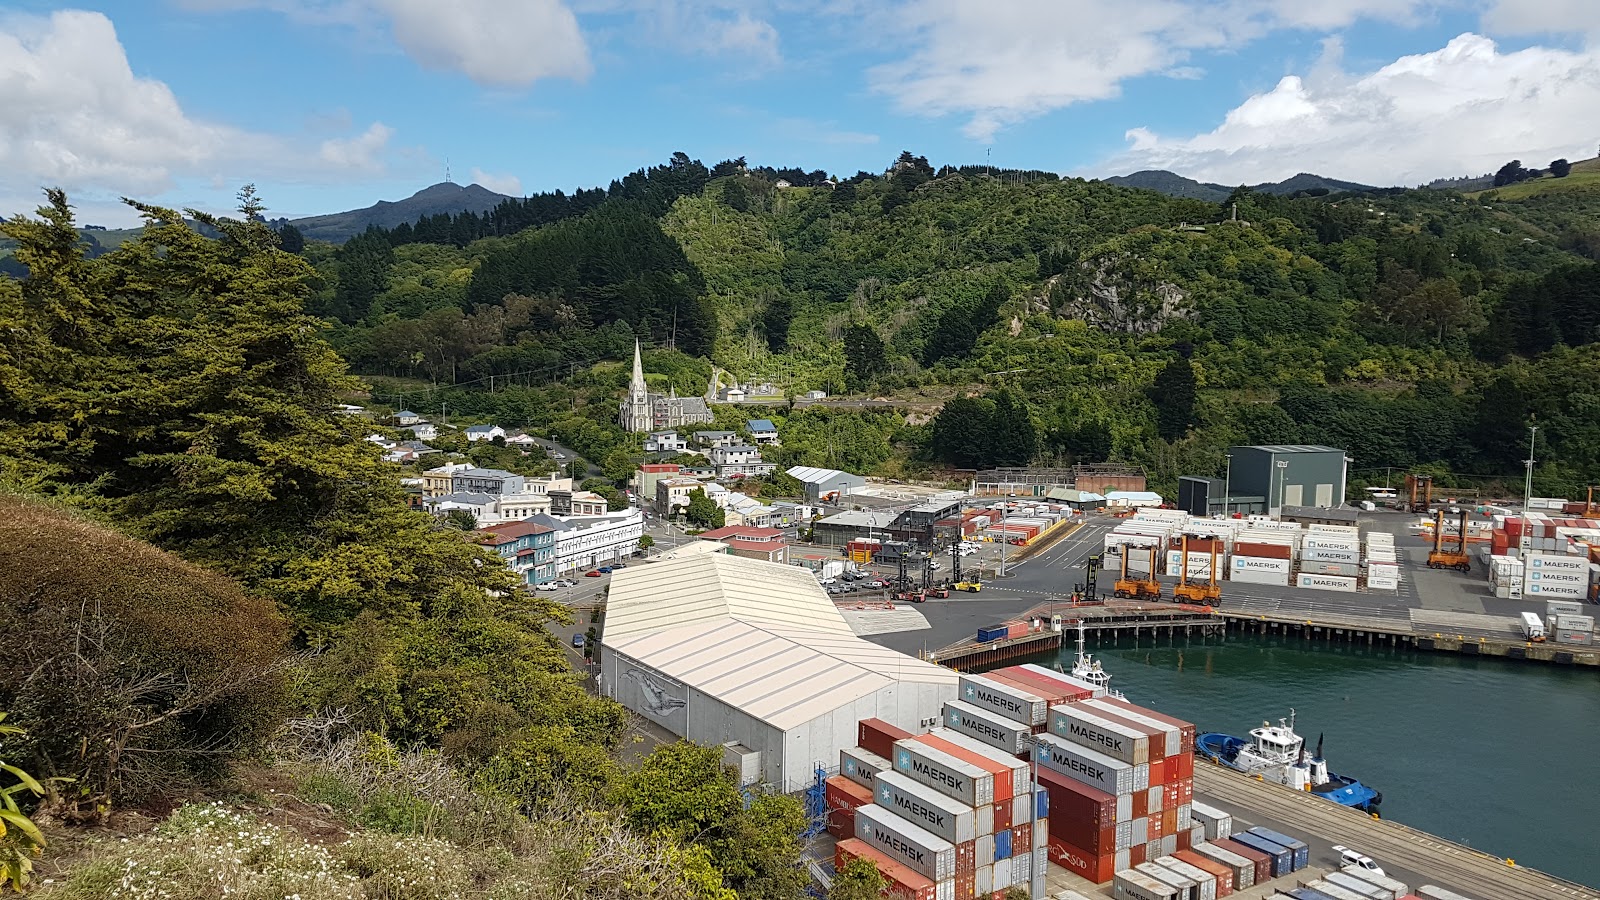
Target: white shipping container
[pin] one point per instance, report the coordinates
(1333, 529)
(1359, 887)
(1398, 888)
(1011, 702)
(1141, 560)
(1563, 608)
(1329, 554)
(1555, 576)
(1244, 871)
(945, 890)
(1326, 582)
(983, 844)
(986, 725)
(925, 807)
(1328, 542)
(1217, 823)
(1185, 816)
(1258, 564)
(1002, 874)
(1188, 886)
(1206, 880)
(1199, 563)
(1173, 744)
(1346, 570)
(983, 880)
(1021, 780)
(926, 853)
(1021, 867)
(1087, 766)
(1131, 884)
(1566, 622)
(1099, 734)
(1434, 892)
(1334, 891)
(1256, 576)
(945, 773)
(860, 765)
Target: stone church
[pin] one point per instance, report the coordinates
(642, 411)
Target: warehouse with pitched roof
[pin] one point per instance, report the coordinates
(725, 650)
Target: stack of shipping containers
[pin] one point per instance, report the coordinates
(1559, 557)
(1330, 558)
(1383, 567)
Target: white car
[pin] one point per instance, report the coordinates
(828, 581)
(1350, 859)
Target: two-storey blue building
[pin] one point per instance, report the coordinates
(527, 547)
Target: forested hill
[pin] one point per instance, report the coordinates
(1416, 328)
(1175, 185)
(445, 198)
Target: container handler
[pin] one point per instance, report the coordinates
(1147, 588)
(1205, 593)
(970, 587)
(1449, 552)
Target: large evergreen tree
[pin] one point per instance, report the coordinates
(1174, 396)
(863, 354)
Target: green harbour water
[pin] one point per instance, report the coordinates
(1497, 755)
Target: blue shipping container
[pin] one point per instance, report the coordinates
(1305, 893)
(1002, 844)
(994, 633)
(1041, 806)
(1282, 857)
(1302, 853)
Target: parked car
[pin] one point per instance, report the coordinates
(605, 570)
(828, 581)
(547, 586)
(592, 573)
(577, 641)
(619, 565)
(561, 456)
(567, 582)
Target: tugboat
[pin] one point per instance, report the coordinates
(1278, 754)
(1087, 668)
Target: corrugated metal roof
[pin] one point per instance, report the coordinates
(680, 591)
(1292, 448)
(784, 676)
(813, 475)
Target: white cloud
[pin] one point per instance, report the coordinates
(73, 114)
(709, 27)
(1466, 108)
(1004, 61)
(510, 185)
(1543, 17)
(499, 43)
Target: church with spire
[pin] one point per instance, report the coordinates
(642, 411)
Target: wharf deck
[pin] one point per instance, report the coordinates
(1405, 632)
(1098, 618)
(1469, 871)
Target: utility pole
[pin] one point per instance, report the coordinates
(1527, 491)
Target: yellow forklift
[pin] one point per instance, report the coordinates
(1207, 592)
(1146, 588)
(1449, 552)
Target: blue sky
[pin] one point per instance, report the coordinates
(333, 104)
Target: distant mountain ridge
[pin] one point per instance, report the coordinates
(1175, 185)
(444, 197)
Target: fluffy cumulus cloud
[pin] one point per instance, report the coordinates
(1543, 17)
(1004, 61)
(497, 43)
(510, 185)
(1464, 109)
(73, 114)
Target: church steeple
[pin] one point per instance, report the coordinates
(635, 412)
(636, 388)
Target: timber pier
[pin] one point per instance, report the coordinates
(1403, 633)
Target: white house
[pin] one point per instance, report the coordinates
(381, 441)
(523, 441)
(814, 395)
(424, 431)
(406, 417)
(733, 395)
(741, 459)
(762, 432)
(484, 432)
(665, 442)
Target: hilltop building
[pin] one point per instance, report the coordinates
(642, 411)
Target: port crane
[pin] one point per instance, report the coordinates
(1419, 493)
(1146, 588)
(1449, 552)
(1207, 592)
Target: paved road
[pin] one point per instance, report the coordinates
(1409, 855)
(550, 446)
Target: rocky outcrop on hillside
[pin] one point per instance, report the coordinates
(1111, 293)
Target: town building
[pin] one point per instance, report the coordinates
(643, 483)
(641, 411)
(438, 482)
(843, 527)
(814, 395)
(762, 432)
(486, 481)
(484, 433)
(740, 459)
(406, 417)
(665, 442)
(751, 542)
(826, 485)
(753, 656)
(529, 548)
(522, 441)
(424, 431)
(480, 506)
(745, 510)
(519, 506)
(673, 493)
(1032, 481)
(709, 439)
(919, 524)
(587, 503)
(583, 542)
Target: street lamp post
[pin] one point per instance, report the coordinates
(1283, 477)
(1004, 537)
(1227, 483)
(1527, 491)
(1032, 743)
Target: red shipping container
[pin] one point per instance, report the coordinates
(1018, 629)
(1224, 874)
(905, 883)
(1260, 551)
(843, 796)
(1158, 771)
(1067, 691)
(1263, 862)
(1186, 792)
(1002, 772)
(879, 736)
(1072, 800)
(1153, 826)
(1185, 766)
(1051, 691)
(965, 886)
(1140, 853)
(1020, 685)
(1096, 867)
(1141, 803)
(1002, 816)
(1169, 821)
(1022, 837)
(966, 857)
(1171, 795)
(1185, 839)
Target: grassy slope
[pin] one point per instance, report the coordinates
(1585, 178)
